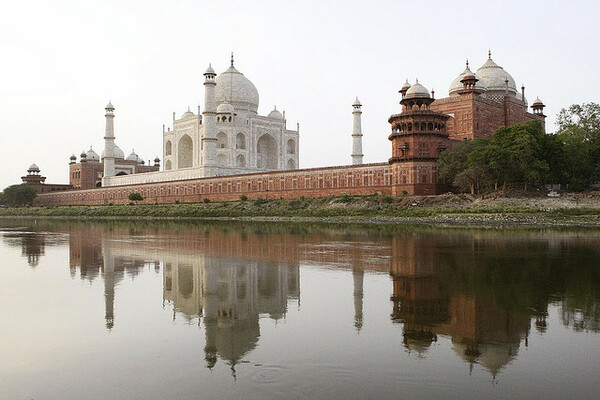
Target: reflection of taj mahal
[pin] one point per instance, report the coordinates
(230, 296)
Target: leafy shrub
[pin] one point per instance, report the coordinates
(243, 197)
(345, 198)
(135, 196)
(259, 201)
(206, 200)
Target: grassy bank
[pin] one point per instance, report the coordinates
(427, 209)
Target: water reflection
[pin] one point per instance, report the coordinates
(481, 331)
(482, 290)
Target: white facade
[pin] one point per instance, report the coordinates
(230, 137)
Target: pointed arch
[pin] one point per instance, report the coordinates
(168, 148)
(222, 140)
(222, 160)
(266, 152)
(240, 161)
(291, 146)
(240, 141)
(185, 152)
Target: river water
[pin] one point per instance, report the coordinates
(148, 310)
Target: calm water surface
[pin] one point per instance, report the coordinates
(131, 310)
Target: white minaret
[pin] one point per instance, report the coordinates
(357, 155)
(209, 119)
(109, 142)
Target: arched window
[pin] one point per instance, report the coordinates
(185, 152)
(222, 160)
(266, 152)
(240, 161)
(240, 141)
(291, 147)
(168, 148)
(291, 164)
(222, 140)
(168, 165)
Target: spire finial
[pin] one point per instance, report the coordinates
(467, 62)
(417, 79)
(232, 58)
(490, 54)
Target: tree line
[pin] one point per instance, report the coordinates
(523, 155)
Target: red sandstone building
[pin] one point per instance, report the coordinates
(477, 105)
(88, 172)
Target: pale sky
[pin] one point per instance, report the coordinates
(62, 61)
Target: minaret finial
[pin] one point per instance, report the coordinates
(490, 54)
(232, 58)
(417, 79)
(467, 62)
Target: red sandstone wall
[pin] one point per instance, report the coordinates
(476, 117)
(354, 180)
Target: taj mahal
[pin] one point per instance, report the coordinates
(227, 137)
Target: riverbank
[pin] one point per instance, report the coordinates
(493, 210)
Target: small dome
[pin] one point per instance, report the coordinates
(225, 108)
(357, 103)
(91, 155)
(210, 70)
(118, 152)
(468, 74)
(133, 157)
(109, 106)
(83, 155)
(188, 114)
(417, 91)
(537, 102)
(73, 157)
(33, 168)
(406, 85)
(275, 114)
(456, 86)
(157, 160)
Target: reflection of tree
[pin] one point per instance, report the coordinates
(33, 244)
(483, 292)
(526, 276)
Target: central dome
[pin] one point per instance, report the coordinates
(237, 90)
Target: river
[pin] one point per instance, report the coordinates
(224, 310)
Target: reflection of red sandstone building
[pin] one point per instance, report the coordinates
(481, 331)
(478, 103)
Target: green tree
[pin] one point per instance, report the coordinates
(18, 195)
(524, 146)
(135, 197)
(580, 119)
(454, 161)
(579, 130)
